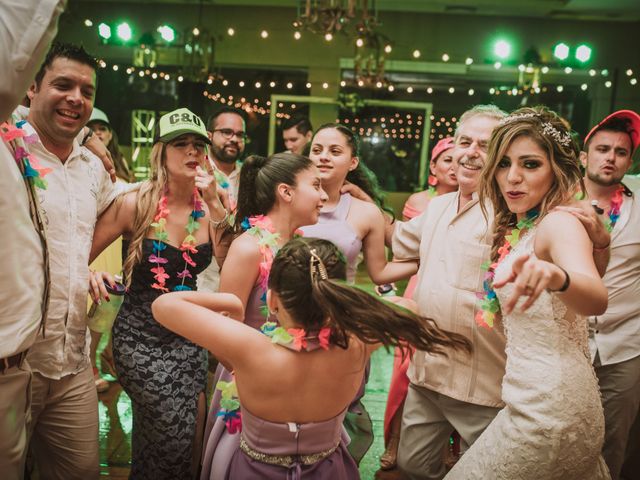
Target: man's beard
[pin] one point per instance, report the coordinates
(604, 182)
(221, 155)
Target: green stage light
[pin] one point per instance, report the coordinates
(104, 31)
(124, 32)
(502, 49)
(167, 33)
(561, 51)
(583, 53)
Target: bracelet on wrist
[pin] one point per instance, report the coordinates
(222, 221)
(565, 285)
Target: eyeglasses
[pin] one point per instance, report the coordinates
(229, 134)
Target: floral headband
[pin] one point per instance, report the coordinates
(563, 138)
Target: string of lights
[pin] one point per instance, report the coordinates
(502, 51)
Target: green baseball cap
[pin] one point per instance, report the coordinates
(179, 122)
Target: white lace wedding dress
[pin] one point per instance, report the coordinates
(552, 426)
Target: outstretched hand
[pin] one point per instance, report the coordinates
(530, 277)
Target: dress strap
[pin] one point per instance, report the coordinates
(344, 205)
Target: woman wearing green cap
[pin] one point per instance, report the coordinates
(168, 226)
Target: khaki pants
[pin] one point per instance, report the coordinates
(428, 419)
(15, 401)
(620, 389)
(64, 428)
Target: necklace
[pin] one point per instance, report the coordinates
(188, 245)
(262, 228)
(296, 338)
(614, 208)
(489, 304)
(16, 137)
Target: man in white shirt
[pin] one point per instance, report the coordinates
(64, 427)
(26, 30)
(227, 132)
(615, 336)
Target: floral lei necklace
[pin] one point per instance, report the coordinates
(188, 245)
(16, 136)
(297, 339)
(489, 304)
(614, 209)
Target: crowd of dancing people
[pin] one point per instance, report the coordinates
(517, 340)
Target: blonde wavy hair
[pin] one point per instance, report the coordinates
(146, 206)
(563, 156)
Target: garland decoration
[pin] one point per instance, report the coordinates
(296, 338)
(17, 138)
(489, 304)
(262, 228)
(188, 245)
(614, 209)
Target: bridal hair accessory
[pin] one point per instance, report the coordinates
(548, 130)
(316, 267)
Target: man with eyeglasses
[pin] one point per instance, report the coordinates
(226, 129)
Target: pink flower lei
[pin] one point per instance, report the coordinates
(262, 228)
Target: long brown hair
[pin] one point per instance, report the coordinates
(146, 205)
(552, 134)
(315, 303)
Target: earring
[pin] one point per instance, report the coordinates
(432, 180)
(273, 312)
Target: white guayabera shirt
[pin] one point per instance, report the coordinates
(78, 191)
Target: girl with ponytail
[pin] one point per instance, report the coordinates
(276, 196)
(295, 381)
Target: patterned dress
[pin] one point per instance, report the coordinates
(162, 372)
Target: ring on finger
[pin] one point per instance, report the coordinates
(528, 289)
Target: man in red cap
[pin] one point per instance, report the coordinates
(614, 338)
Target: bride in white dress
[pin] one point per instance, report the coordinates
(552, 425)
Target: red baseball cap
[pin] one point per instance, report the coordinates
(634, 127)
(442, 146)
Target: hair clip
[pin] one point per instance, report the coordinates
(549, 130)
(316, 267)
